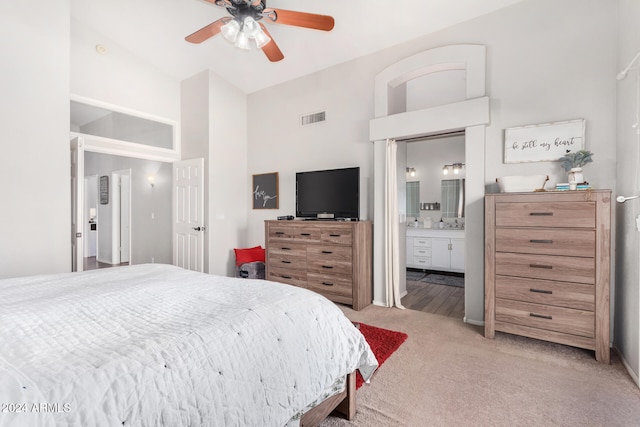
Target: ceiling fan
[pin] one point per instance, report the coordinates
(243, 25)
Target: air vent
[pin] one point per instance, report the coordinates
(312, 118)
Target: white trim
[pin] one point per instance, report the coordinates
(433, 60)
(442, 118)
(626, 364)
(98, 144)
(177, 146)
(473, 322)
(393, 121)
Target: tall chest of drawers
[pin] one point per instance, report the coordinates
(547, 267)
(329, 257)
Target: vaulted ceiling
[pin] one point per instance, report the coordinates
(154, 30)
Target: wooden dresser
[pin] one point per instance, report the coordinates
(547, 267)
(329, 257)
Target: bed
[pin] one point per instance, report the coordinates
(152, 345)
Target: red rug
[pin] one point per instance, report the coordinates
(383, 343)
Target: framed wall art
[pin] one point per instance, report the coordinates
(543, 143)
(104, 190)
(265, 191)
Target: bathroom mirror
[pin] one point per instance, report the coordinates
(452, 205)
(413, 199)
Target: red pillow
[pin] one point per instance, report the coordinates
(249, 255)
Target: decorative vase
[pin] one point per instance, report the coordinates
(575, 177)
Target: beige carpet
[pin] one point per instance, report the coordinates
(448, 374)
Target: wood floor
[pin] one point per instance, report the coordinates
(436, 299)
(91, 263)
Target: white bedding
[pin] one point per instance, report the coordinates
(156, 345)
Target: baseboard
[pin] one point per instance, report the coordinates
(379, 304)
(472, 321)
(632, 374)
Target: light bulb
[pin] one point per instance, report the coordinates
(230, 30)
(250, 27)
(261, 39)
(445, 170)
(243, 41)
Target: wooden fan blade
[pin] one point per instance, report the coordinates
(207, 32)
(271, 49)
(301, 19)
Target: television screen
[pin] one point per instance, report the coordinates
(328, 194)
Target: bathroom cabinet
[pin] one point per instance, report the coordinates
(435, 249)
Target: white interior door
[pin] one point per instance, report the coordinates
(125, 217)
(188, 214)
(115, 218)
(77, 204)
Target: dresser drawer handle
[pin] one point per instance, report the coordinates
(327, 266)
(327, 284)
(279, 232)
(540, 241)
(541, 291)
(327, 252)
(284, 261)
(305, 234)
(286, 249)
(334, 235)
(541, 266)
(285, 277)
(541, 316)
(541, 213)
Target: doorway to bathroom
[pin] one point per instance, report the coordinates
(435, 231)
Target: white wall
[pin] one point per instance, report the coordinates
(277, 143)
(229, 189)
(150, 237)
(428, 157)
(121, 79)
(35, 217)
(215, 127)
(118, 77)
(546, 61)
(627, 307)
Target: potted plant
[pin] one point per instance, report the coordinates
(572, 164)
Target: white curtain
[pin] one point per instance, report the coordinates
(391, 227)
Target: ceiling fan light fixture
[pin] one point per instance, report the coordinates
(250, 27)
(230, 30)
(243, 41)
(261, 39)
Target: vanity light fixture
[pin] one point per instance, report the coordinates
(455, 167)
(152, 180)
(411, 171)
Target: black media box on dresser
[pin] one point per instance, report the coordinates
(547, 267)
(333, 258)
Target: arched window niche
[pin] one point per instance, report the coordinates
(399, 116)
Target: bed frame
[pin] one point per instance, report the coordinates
(343, 404)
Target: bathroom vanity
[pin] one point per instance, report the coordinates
(435, 249)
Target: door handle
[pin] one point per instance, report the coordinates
(203, 228)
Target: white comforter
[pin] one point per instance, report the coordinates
(156, 345)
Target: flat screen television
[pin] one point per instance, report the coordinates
(328, 194)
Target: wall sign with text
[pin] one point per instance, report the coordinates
(543, 143)
(265, 191)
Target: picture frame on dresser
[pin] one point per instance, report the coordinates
(548, 267)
